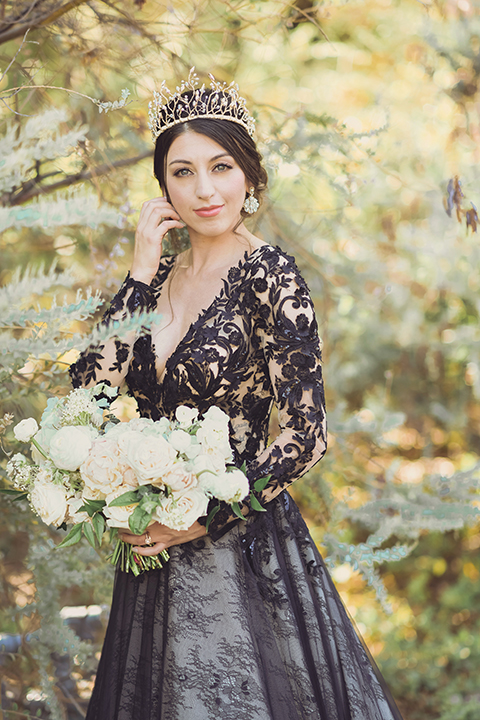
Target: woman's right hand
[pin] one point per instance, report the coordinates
(157, 217)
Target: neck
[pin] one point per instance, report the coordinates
(216, 252)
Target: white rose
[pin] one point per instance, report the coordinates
(50, 502)
(149, 456)
(70, 446)
(180, 477)
(118, 516)
(181, 510)
(105, 468)
(180, 440)
(186, 416)
(25, 429)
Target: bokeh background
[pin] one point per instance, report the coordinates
(368, 121)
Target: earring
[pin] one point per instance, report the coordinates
(251, 203)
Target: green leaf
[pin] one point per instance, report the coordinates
(89, 534)
(127, 498)
(261, 483)
(138, 520)
(236, 509)
(211, 515)
(255, 504)
(244, 467)
(73, 536)
(9, 491)
(98, 522)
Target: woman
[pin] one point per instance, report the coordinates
(243, 622)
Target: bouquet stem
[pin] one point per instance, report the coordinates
(129, 561)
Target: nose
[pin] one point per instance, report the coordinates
(205, 189)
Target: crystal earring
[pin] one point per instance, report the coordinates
(251, 203)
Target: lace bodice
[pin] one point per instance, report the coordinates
(257, 343)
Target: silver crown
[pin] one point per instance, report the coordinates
(222, 103)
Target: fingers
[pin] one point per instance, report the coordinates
(153, 211)
(152, 550)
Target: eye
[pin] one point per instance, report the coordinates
(182, 172)
(221, 167)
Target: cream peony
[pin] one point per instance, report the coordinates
(186, 416)
(211, 463)
(25, 429)
(70, 445)
(49, 502)
(181, 510)
(105, 469)
(149, 456)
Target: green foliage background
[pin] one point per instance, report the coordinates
(364, 111)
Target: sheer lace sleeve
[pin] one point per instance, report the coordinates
(109, 361)
(286, 328)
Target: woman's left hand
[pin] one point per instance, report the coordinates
(162, 537)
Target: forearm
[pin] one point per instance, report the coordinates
(109, 361)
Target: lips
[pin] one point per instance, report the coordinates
(210, 211)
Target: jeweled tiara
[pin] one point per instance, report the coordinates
(222, 103)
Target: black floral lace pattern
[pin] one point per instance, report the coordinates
(245, 623)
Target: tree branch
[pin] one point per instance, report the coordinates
(28, 192)
(17, 31)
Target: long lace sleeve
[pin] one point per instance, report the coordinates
(109, 361)
(286, 329)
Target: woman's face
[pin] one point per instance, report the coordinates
(205, 185)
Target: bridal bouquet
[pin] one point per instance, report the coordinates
(90, 471)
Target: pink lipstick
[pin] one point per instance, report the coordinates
(210, 211)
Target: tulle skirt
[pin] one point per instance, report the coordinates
(249, 627)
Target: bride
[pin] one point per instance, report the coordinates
(243, 623)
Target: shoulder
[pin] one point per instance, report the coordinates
(271, 267)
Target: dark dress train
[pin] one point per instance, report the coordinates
(244, 624)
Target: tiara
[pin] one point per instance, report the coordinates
(190, 102)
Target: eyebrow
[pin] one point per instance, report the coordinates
(187, 162)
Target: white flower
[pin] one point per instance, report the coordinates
(19, 471)
(186, 416)
(118, 516)
(25, 429)
(149, 456)
(179, 477)
(180, 440)
(74, 517)
(231, 486)
(69, 447)
(49, 502)
(213, 434)
(181, 510)
(78, 406)
(212, 463)
(105, 469)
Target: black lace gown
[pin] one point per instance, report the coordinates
(245, 623)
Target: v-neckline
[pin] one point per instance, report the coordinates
(194, 324)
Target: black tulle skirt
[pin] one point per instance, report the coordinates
(249, 627)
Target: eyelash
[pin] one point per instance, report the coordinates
(178, 173)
